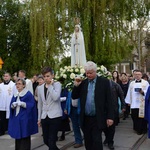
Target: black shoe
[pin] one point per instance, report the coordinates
(139, 133)
(105, 142)
(110, 146)
(144, 132)
(2, 134)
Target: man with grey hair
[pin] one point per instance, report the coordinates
(96, 106)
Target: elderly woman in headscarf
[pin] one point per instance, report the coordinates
(78, 56)
(23, 116)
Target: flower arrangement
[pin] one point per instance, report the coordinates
(103, 72)
(67, 74)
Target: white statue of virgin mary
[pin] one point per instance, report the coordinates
(78, 56)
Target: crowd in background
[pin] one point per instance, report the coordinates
(53, 107)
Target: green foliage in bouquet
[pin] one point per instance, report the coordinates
(67, 74)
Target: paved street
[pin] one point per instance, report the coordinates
(125, 139)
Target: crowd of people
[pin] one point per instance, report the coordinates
(93, 107)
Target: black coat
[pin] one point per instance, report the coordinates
(103, 100)
(117, 92)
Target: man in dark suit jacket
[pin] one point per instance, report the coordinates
(96, 106)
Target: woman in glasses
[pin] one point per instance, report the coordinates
(23, 117)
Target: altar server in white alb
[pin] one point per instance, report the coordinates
(78, 56)
(29, 86)
(136, 98)
(6, 93)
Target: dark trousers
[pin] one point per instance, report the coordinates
(116, 117)
(110, 131)
(50, 129)
(23, 144)
(92, 134)
(139, 124)
(109, 134)
(127, 111)
(3, 122)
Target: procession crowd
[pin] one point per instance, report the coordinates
(93, 107)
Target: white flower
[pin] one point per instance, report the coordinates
(61, 75)
(56, 76)
(76, 70)
(103, 68)
(68, 84)
(61, 69)
(64, 76)
(82, 71)
(99, 74)
(66, 67)
(71, 70)
(72, 75)
(98, 68)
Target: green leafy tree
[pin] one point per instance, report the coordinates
(15, 37)
(105, 25)
(102, 22)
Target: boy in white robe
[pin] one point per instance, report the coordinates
(29, 86)
(6, 93)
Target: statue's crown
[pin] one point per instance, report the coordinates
(76, 20)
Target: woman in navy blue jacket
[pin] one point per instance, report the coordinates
(23, 117)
